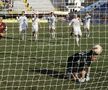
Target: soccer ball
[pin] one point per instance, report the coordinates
(97, 49)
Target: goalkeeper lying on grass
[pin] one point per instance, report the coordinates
(78, 65)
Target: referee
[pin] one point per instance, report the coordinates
(78, 65)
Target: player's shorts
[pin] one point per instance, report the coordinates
(34, 28)
(87, 26)
(77, 31)
(22, 30)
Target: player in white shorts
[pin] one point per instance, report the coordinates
(23, 25)
(52, 24)
(76, 25)
(86, 22)
(35, 26)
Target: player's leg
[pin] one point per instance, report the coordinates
(69, 73)
(85, 31)
(75, 71)
(53, 32)
(71, 33)
(72, 74)
(87, 76)
(82, 74)
(76, 36)
(88, 32)
(2, 35)
(23, 34)
(36, 35)
(76, 77)
(79, 36)
(69, 68)
(33, 33)
(50, 32)
(77, 39)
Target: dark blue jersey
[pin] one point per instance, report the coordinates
(80, 60)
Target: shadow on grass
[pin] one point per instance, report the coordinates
(52, 73)
(7, 37)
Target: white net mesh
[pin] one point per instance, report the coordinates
(40, 64)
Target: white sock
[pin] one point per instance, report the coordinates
(77, 40)
(88, 33)
(22, 35)
(53, 34)
(35, 36)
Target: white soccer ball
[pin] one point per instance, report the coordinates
(97, 49)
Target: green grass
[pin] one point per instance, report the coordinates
(40, 65)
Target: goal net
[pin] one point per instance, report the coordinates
(37, 60)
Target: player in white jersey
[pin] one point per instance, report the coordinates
(86, 22)
(76, 25)
(52, 24)
(35, 26)
(23, 25)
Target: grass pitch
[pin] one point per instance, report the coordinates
(41, 64)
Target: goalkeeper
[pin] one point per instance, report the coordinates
(78, 65)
